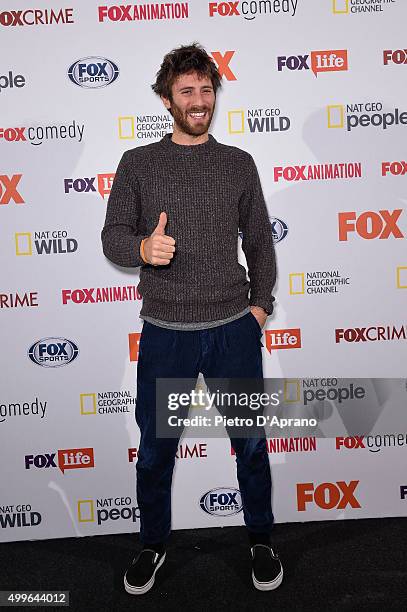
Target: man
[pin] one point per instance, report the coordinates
(174, 210)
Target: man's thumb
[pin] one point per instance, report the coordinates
(162, 222)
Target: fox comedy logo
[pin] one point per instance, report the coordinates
(68, 459)
(370, 224)
(93, 72)
(8, 189)
(362, 115)
(222, 501)
(327, 495)
(330, 60)
(250, 9)
(87, 184)
(53, 352)
(349, 442)
(36, 135)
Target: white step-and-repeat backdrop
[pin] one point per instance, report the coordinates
(316, 91)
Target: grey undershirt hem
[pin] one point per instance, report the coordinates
(194, 326)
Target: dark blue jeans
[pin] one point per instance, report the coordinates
(232, 350)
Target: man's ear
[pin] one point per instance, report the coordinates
(166, 102)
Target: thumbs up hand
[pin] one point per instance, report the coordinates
(158, 248)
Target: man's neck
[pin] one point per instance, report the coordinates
(182, 138)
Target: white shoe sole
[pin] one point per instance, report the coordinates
(141, 590)
(268, 586)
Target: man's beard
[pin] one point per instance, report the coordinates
(188, 127)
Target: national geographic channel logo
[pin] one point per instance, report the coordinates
(144, 127)
(369, 114)
(353, 7)
(258, 120)
(106, 402)
(316, 282)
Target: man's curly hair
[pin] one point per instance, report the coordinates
(183, 60)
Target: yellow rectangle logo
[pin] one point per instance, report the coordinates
(297, 283)
(88, 403)
(23, 243)
(340, 7)
(86, 512)
(335, 115)
(291, 390)
(401, 277)
(126, 128)
(236, 122)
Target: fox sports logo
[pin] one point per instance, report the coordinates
(93, 72)
(278, 227)
(222, 501)
(53, 352)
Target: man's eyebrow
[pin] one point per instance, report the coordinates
(191, 87)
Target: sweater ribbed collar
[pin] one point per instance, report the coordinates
(180, 149)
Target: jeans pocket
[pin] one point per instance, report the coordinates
(259, 329)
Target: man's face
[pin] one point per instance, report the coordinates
(193, 103)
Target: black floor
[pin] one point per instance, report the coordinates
(336, 565)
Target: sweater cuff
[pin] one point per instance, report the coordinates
(137, 243)
(266, 304)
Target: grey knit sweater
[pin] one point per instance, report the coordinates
(208, 191)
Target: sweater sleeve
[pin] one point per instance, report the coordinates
(257, 241)
(121, 236)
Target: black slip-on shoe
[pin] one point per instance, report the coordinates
(140, 576)
(267, 571)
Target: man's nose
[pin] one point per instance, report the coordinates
(198, 100)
